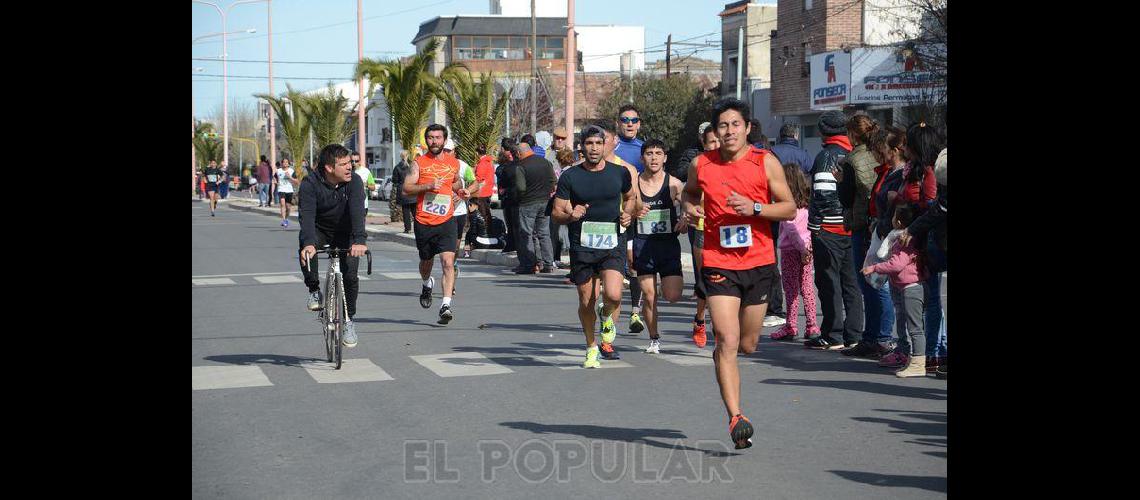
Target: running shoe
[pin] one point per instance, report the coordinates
(635, 324)
(654, 346)
(466, 254)
(772, 320)
(425, 293)
(740, 428)
(609, 332)
(940, 372)
(592, 358)
(286, 223)
(933, 362)
(349, 337)
(211, 214)
(608, 352)
(445, 315)
(699, 337)
(315, 301)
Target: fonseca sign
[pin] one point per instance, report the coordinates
(886, 75)
(830, 80)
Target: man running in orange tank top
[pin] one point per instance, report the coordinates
(744, 191)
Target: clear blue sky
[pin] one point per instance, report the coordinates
(325, 31)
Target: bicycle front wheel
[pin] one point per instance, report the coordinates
(338, 318)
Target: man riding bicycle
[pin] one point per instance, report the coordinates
(331, 211)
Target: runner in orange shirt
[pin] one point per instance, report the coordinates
(434, 179)
(744, 191)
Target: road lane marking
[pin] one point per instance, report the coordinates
(278, 279)
(460, 364)
(571, 359)
(684, 355)
(351, 370)
(212, 281)
(228, 377)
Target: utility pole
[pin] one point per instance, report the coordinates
(571, 68)
(668, 53)
(360, 138)
(631, 77)
(533, 70)
(739, 60)
(271, 115)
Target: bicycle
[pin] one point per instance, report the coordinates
(334, 312)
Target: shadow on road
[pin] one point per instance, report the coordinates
(627, 435)
(931, 483)
(261, 359)
(863, 386)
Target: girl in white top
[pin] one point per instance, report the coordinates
(285, 187)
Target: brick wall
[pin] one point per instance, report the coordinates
(827, 26)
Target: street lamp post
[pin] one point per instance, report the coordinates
(360, 139)
(225, 78)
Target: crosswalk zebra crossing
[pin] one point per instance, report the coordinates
(280, 278)
(447, 365)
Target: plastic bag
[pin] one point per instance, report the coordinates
(876, 280)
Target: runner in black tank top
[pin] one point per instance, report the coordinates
(656, 249)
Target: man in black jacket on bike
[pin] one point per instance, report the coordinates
(331, 210)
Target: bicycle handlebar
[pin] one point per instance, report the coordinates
(332, 252)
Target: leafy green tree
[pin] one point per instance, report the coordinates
(474, 113)
(671, 109)
(294, 124)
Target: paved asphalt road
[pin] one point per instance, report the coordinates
(428, 411)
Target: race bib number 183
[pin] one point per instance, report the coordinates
(654, 222)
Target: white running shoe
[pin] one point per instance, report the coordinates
(654, 346)
(774, 321)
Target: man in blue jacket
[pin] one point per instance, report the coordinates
(628, 148)
(788, 149)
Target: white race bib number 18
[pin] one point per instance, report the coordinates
(599, 235)
(738, 236)
(436, 204)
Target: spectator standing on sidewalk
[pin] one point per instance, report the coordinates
(534, 181)
(788, 149)
(264, 182)
(508, 199)
(878, 309)
(839, 294)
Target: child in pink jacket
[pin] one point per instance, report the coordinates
(908, 291)
(795, 265)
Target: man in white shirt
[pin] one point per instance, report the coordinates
(286, 184)
(366, 176)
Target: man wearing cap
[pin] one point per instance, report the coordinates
(831, 242)
(534, 180)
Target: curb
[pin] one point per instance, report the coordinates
(384, 233)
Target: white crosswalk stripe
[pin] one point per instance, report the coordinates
(278, 279)
(212, 281)
(351, 370)
(684, 354)
(228, 377)
(571, 359)
(460, 364)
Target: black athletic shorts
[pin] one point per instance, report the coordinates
(210, 186)
(288, 197)
(434, 240)
(587, 264)
(661, 256)
(750, 285)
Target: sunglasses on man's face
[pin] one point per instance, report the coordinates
(627, 119)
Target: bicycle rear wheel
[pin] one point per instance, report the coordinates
(338, 318)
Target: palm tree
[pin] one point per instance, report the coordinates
(294, 125)
(329, 115)
(408, 88)
(206, 148)
(474, 112)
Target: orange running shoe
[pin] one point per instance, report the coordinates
(699, 336)
(740, 428)
(608, 352)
